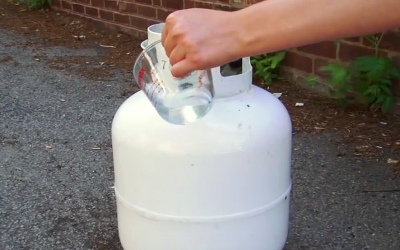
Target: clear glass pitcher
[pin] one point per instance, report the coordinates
(177, 100)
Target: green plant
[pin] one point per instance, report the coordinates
(267, 65)
(311, 80)
(375, 40)
(34, 4)
(368, 76)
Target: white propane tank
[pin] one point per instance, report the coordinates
(221, 183)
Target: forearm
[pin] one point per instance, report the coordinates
(279, 24)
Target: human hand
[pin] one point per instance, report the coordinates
(196, 39)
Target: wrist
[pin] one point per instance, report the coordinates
(246, 32)
(240, 34)
(254, 33)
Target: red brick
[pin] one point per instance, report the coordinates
(396, 61)
(157, 2)
(151, 22)
(56, 3)
(92, 11)
(124, 19)
(390, 41)
(250, 2)
(78, 8)
(66, 5)
(396, 87)
(144, 2)
(111, 4)
(353, 39)
(349, 52)
(299, 62)
(188, 4)
(396, 82)
(203, 5)
(223, 7)
(241, 3)
(318, 63)
(173, 4)
(106, 15)
(235, 8)
(147, 11)
(162, 14)
(139, 22)
(84, 1)
(97, 3)
(128, 7)
(325, 49)
(224, 1)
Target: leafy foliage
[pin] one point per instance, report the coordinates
(34, 4)
(267, 65)
(368, 76)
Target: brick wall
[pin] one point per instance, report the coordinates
(305, 61)
(134, 16)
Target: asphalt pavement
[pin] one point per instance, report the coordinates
(56, 169)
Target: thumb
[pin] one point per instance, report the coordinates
(182, 68)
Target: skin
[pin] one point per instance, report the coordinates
(194, 38)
